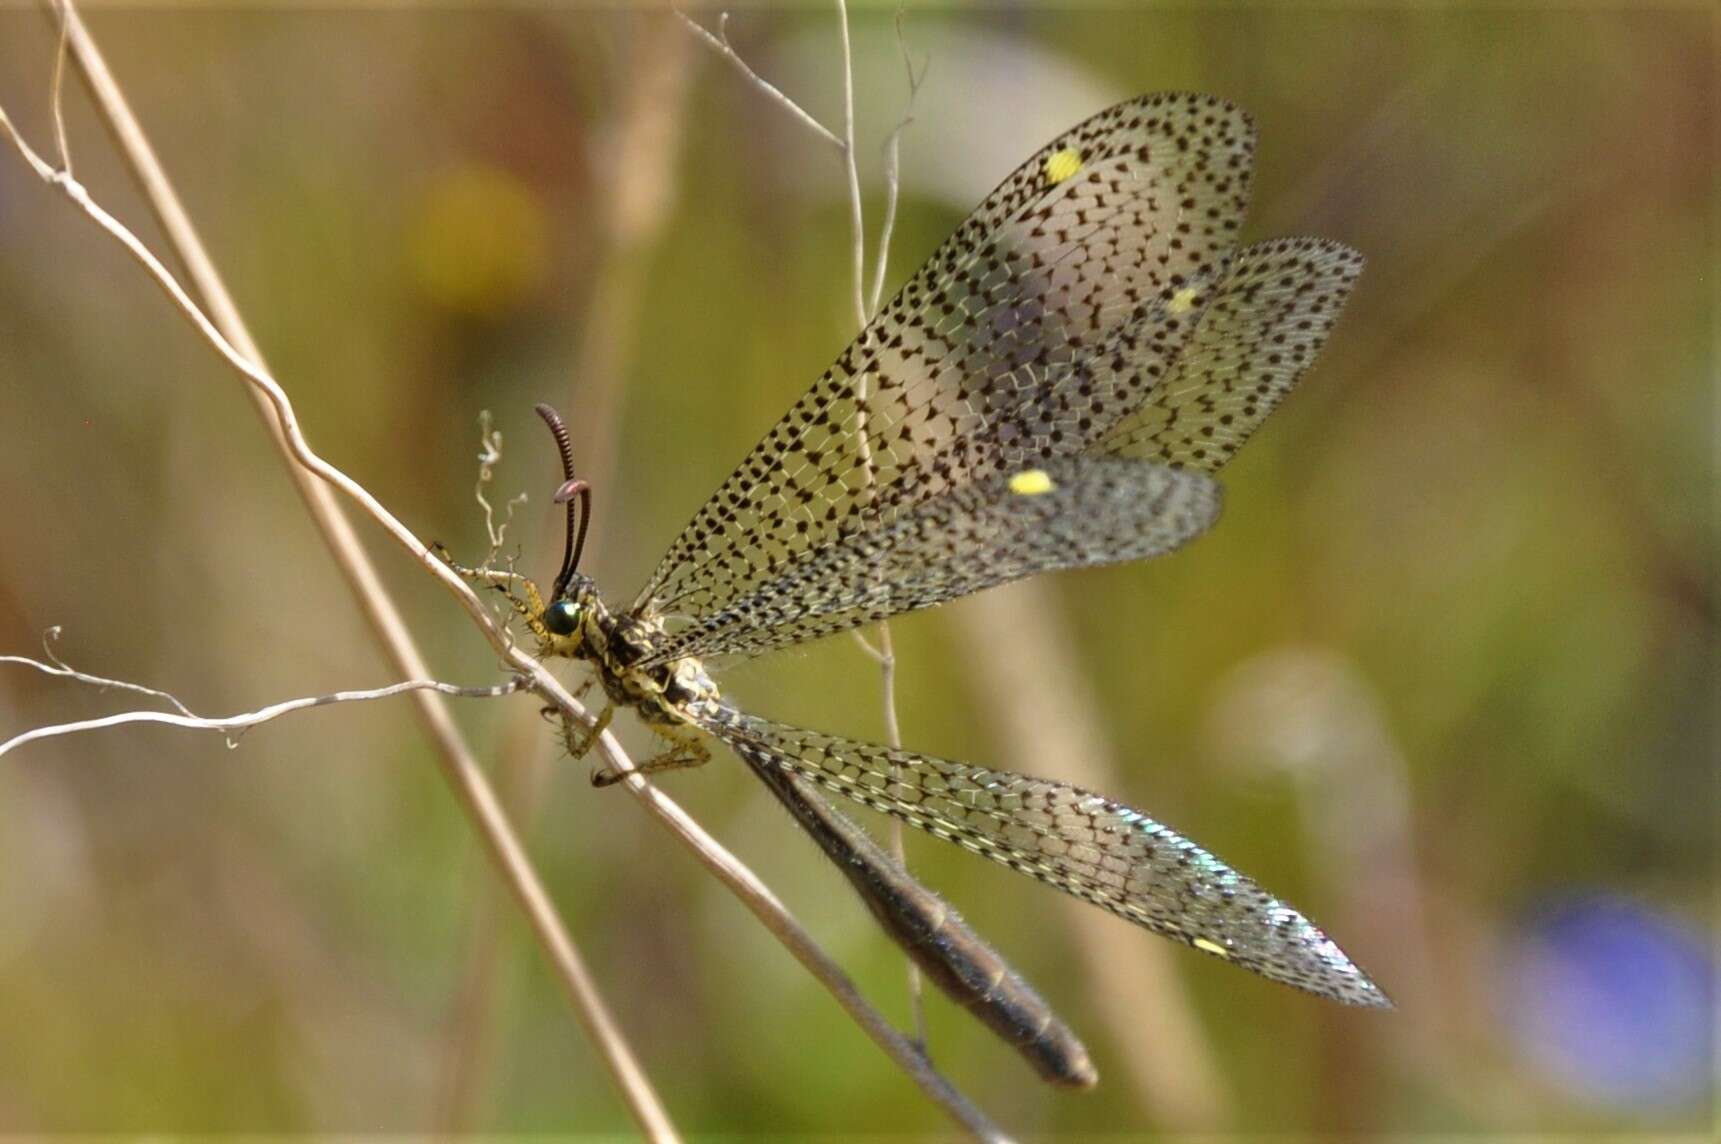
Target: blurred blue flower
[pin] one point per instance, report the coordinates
(1614, 1002)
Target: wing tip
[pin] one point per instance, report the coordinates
(1343, 255)
(1196, 101)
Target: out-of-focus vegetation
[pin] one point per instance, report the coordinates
(1444, 675)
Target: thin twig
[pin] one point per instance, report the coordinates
(719, 43)
(866, 645)
(244, 720)
(277, 398)
(776, 918)
(463, 1060)
(641, 145)
(489, 456)
(476, 794)
(58, 87)
(857, 220)
(893, 170)
(884, 654)
(460, 768)
(57, 666)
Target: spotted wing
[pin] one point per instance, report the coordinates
(1071, 512)
(1258, 336)
(1041, 322)
(1081, 843)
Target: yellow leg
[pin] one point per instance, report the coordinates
(530, 609)
(678, 755)
(581, 739)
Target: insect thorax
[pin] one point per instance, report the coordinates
(617, 644)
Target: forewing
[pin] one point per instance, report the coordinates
(1071, 512)
(1260, 333)
(1081, 843)
(1031, 331)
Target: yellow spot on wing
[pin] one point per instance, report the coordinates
(1213, 947)
(1032, 482)
(1060, 165)
(1182, 301)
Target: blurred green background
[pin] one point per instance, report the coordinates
(1444, 675)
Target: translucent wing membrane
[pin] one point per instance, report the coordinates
(1071, 512)
(957, 959)
(1044, 320)
(1082, 843)
(1261, 331)
(1050, 390)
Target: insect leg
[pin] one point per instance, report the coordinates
(678, 755)
(578, 738)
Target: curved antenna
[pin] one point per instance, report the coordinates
(579, 515)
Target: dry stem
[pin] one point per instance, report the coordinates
(227, 723)
(473, 790)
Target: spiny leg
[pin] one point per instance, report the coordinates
(577, 738)
(678, 755)
(581, 739)
(529, 606)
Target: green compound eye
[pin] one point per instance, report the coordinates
(562, 618)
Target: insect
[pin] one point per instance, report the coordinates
(1052, 389)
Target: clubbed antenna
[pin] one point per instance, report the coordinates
(576, 494)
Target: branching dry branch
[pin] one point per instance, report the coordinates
(227, 723)
(56, 93)
(893, 169)
(474, 791)
(883, 652)
(472, 788)
(857, 220)
(719, 43)
(54, 665)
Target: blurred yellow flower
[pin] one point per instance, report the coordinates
(477, 240)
